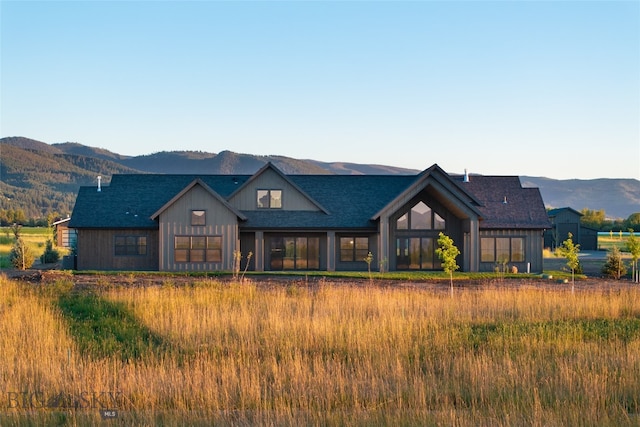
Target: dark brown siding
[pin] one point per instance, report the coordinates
(96, 250)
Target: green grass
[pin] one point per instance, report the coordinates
(35, 237)
(105, 328)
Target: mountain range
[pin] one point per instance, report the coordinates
(41, 178)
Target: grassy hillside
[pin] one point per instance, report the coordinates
(40, 178)
(40, 182)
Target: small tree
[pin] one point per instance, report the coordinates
(633, 246)
(369, 259)
(614, 266)
(447, 252)
(570, 251)
(21, 257)
(50, 255)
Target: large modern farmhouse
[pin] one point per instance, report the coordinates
(307, 222)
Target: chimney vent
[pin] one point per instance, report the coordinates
(99, 186)
(466, 176)
(505, 200)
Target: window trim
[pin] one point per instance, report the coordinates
(269, 198)
(211, 251)
(141, 241)
(353, 250)
(495, 247)
(194, 216)
(433, 223)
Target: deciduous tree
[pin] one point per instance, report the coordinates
(447, 252)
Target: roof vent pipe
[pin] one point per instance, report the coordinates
(99, 180)
(505, 200)
(466, 176)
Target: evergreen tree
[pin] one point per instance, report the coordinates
(614, 266)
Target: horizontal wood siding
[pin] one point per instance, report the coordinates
(292, 199)
(96, 251)
(176, 221)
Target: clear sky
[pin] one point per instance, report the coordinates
(542, 88)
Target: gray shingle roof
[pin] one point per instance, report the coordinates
(350, 201)
(524, 207)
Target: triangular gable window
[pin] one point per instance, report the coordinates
(420, 217)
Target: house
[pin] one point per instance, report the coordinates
(567, 220)
(65, 236)
(307, 222)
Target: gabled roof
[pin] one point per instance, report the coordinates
(347, 202)
(506, 204)
(435, 175)
(270, 166)
(61, 221)
(208, 189)
(556, 211)
(130, 200)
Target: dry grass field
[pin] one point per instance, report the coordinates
(211, 352)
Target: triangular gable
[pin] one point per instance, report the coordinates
(208, 189)
(434, 175)
(272, 167)
(556, 211)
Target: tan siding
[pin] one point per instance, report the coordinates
(292, 199)
(96, 250)
(176, 221)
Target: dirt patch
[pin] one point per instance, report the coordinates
(49, 274)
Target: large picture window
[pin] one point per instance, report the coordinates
(502, 249)
(353, 248)
(417, 253)
(295, 253)
(130, 245)
(269, 199)
(197, 249)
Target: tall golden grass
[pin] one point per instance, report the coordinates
(334, 354)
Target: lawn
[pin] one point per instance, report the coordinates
(212, 352)
(35, 237)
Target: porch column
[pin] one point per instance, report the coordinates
(259, 247)
(331, 251)
(474, 245)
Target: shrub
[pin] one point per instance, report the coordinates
(21, 256)
(50, 255)
(614, 267)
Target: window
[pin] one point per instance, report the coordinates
(130, 245)
(420, 217)
(269, 199)
(197, 249)
(198, 217)
(295, 253)
(354, 248)
(502, 249)
(417, 253)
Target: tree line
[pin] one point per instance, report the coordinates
(598, 220)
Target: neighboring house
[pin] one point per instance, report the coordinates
(65, 236)
(307, 222)
(565, 221)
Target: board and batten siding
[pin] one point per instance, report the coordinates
(96, 250)
(175, 220)
(533, 245)
(292, 198)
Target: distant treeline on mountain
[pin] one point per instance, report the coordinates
(40, 180)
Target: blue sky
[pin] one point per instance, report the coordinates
(542, 88)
